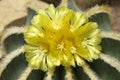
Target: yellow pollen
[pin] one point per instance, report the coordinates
(61, 47)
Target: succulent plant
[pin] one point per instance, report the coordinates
(62, 43)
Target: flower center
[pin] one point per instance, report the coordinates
(61, 46)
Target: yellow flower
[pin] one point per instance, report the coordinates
(60, 36)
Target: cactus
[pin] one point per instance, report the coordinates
(102, 65)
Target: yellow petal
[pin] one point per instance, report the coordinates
(33, 35)
(79, 60)
(94, 41)
(87, 29)
(63, 15)
(51, 11)
(93, 51)
(77, 20)
(36, 57)
(42, 20)
(83, 52)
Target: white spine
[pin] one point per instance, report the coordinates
(25, 73)
(10, 31)
(8, 58)
(92, 75)
(49, 74)
(69, 75)
(111, 61)
(115, 36)
(98, 9)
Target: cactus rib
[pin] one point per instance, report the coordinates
(115, 36)
(8, 58)
(112, 61)
(69, 75)
(92, 75)
(49, 74)
(10, 31)
(25, 73)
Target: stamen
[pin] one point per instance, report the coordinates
(61, 47)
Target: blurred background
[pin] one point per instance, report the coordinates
(13, 12)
